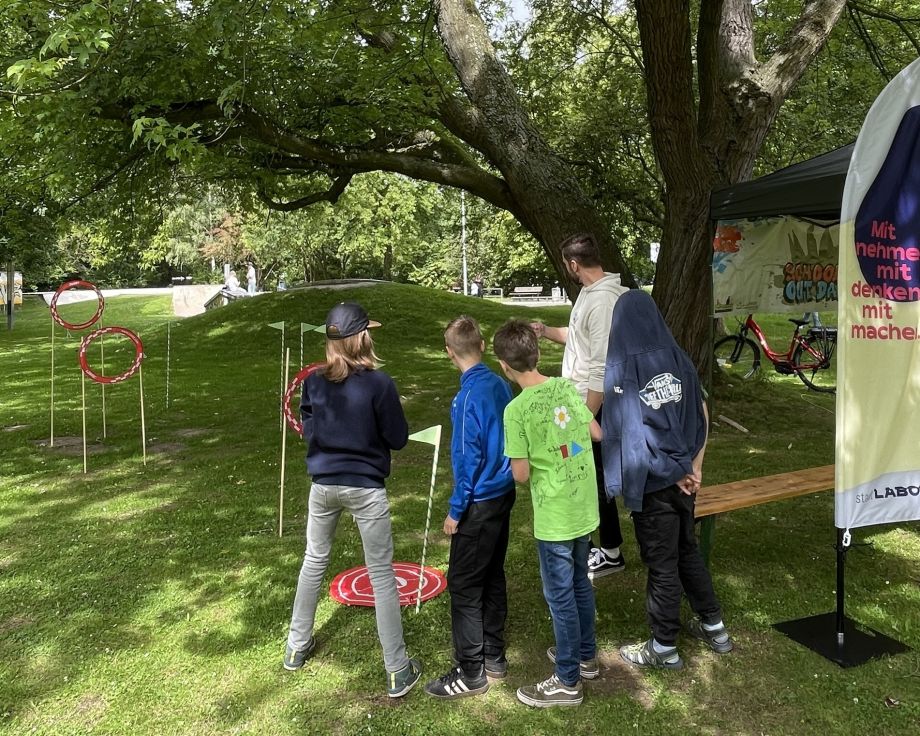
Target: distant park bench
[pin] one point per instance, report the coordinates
(741, 494)
(521, 293)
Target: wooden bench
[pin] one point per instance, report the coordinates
(741, 494)
(527, 292)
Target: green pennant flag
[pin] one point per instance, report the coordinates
(431, 436)
(307, 327)
(276, 325)
(320, 328)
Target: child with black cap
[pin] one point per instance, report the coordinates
(352, 419)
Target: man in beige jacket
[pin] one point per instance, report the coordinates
(585, 341)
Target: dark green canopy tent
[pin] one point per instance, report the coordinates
(812, 189)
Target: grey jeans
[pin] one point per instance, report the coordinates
(371, 511)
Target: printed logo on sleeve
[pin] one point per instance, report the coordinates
(660, 390)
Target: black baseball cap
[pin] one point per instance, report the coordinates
(347, 319)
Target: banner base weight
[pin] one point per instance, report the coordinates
(860, 643)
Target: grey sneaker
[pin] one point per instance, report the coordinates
(401, 682)
(717, 639)
(589, 669)
(294, 659)
(550, 693)
(644, 655)
(497, 668)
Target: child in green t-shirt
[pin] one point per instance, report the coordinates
(548, 433)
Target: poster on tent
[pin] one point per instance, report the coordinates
(774, 264)
(878, 394)
(17, 288)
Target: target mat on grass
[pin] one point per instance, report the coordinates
(353, 587)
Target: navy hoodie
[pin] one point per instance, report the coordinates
(350, 428)
(653, 417)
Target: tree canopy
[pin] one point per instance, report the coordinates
(592, 115)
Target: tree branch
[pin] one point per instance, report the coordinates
(247, 122)
(339, 184)
(805, 39)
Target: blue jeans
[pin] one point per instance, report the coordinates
(570, 597)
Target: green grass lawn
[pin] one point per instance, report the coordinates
(155, 600)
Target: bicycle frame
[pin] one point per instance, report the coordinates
(783, 360)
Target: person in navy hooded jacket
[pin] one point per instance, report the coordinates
(478, 521)
(655, 426)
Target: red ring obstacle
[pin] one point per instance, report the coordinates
(66, 286)
(132, 369)
(289, 416)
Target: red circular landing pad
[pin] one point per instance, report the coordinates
(353, 587)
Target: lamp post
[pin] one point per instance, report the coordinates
(466, 285)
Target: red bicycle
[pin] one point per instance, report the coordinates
(810, 355)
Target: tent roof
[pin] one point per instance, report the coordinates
(812, 188)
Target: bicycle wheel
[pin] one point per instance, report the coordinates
(818, 372)
(737, 357)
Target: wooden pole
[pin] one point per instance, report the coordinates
(102, 350)
(287, 360)
(52, 382)
(140, 374)
(83, 393)
(168, 342)
(283, 383)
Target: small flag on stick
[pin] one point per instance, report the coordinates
(280, 326)
(304, 327)
(430, 436)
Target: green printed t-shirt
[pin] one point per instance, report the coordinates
(548, 425)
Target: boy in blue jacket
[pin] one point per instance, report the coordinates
(479, 518)
(655, 425)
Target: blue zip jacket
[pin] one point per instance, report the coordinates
(477, 445)
(653, 417)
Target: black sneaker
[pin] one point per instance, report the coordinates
(456, 684)
(401, 682)
(717, 639)
(497, 668)
(294, 659)
(589, 669)
(550, 693)
(644, 655)
(601, 564)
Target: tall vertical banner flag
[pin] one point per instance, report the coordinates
(878, 382)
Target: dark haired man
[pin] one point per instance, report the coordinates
(585, 341)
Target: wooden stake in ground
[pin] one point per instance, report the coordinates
(52, 382)
(430, 436)
(102, 359)
(83, 394)
(140, 376)
(287, 361)
(168, 336)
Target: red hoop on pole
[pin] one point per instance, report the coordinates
(66, 286)
(292, 420)
(138, 354)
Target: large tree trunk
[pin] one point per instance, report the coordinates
(711, 140)
(548, 199)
